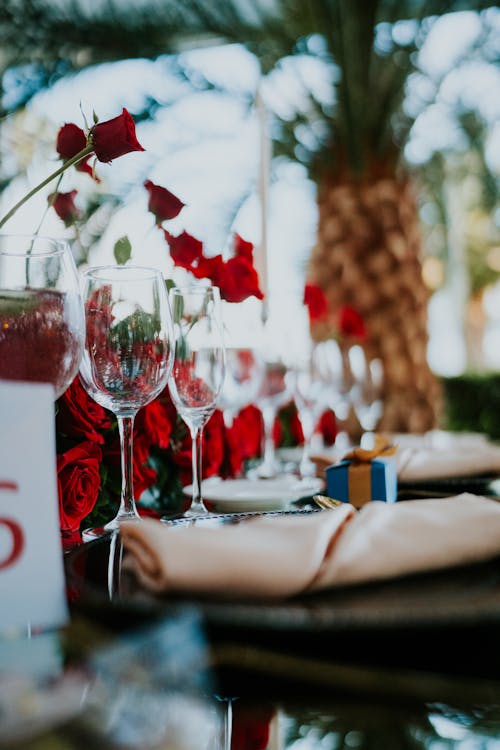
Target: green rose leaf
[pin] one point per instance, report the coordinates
(122, 250)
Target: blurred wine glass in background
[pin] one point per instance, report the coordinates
(367, 391)
(309, 392)
(333, 363)
(273, 394)
(244, 375)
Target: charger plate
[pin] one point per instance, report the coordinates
(255, 495)
(448, 619)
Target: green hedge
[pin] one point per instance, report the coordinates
(472, 403)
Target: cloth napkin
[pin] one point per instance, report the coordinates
(280, 556)
(444, 455)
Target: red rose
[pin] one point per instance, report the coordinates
(152, 422)
(239, 280)
(64, 206)
(242, 248)
(351, 323)
(70, 140)
(144, 474)
(184, 249)
(327, 426)
(316, 302)
(213, 450)
(209, 268)
(248, 426)
(214, 445)
(250, 727)
(78, 482)
(182, 459)
(232, 464)
(79, 416)
(115, 137)
(236, 278)
(296, 428)
(162, 203)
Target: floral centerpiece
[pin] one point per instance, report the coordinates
(88, 457)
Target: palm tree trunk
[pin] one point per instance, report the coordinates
(368, 255)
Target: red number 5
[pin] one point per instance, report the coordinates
(17, 545)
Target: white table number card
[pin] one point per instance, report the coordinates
(32, 586)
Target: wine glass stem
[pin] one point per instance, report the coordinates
(127, 505)
(269, 453)
(306, 417)
(196, 440)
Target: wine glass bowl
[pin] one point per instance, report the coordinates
(199, 368)
(310, 395)
(333, 363)
(41, 312)
(367, 392)
(127, 357)
(244, 373)
(274, 393)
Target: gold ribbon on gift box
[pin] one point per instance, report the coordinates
(359, 478)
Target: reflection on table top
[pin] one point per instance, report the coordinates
(164, 686)
(404, 665)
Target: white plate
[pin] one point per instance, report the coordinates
(243, 495)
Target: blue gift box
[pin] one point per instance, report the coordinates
(360, 482)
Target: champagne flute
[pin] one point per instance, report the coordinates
(199, 368)
(41, 313)
(127, 357)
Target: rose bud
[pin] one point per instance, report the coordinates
(70, 140)
(115, 137)
(162, 203)
(64, 206)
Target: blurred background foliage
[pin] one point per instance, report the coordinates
(344, 81)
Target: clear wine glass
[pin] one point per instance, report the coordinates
(244, 373)
(310, 395)
(199, 368)
(127, 357)
(42, 326)
(334, 365)
(367, 392)
(273, 394)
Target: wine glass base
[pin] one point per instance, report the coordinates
(99, 531)
(88, 535)
(265, 471)
(197, 512)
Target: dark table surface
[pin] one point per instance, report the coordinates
(413, 663)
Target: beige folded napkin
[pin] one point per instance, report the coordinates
(445, 456)
(280, 556)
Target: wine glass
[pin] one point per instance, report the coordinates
(367, 392)
(127, 357)
(334, 365)
(310, 395)
(244, 373)
(41, 313)
(273, 394)
(199, 368)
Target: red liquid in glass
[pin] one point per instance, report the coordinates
(36, 342)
